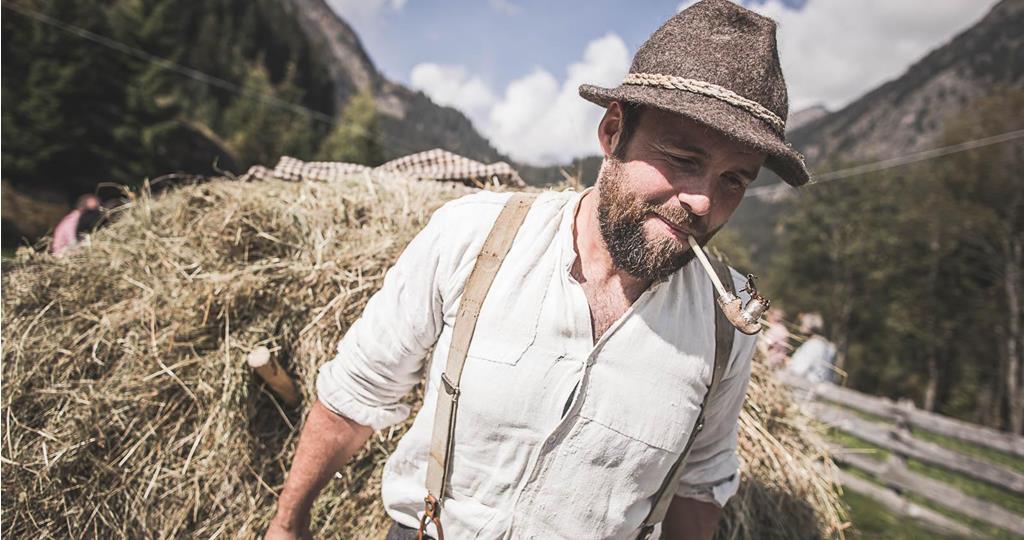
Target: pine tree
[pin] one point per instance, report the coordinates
(77, 113)
(259, 130)
(62, 100)
(356, 137)
(987, 185)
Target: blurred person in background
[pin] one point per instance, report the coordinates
(68, 231)
(774, 342)
(814, 360)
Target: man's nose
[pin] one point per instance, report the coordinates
(696, 195)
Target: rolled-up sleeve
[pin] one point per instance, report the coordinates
(382, 355)
(711, 473)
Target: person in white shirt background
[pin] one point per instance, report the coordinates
(596, 342)
(814, 360)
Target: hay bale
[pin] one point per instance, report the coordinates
(129, 410)
(789, 485)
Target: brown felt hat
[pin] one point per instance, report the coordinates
(716, 63)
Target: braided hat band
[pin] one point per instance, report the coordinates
(736, 50)
(705, 88)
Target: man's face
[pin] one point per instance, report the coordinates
(678, 178)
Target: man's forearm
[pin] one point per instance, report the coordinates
(327, 442)
(690, 519)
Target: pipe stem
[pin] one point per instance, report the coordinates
(707, 267)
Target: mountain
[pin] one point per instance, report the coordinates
(410, 121)
(906, 114)
(85, 102)
(805, 116)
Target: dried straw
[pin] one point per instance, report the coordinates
(129, 411)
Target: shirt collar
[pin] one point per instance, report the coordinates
(567, 229)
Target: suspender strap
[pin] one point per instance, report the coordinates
(723, 349)
(494, 250)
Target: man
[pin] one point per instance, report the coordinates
(595, 345)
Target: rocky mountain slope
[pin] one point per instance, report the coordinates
(805, 116)
(907, 114)
(904, 115)
(410, 121)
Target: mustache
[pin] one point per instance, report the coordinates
(681, 218)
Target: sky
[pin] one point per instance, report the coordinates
(513, 66)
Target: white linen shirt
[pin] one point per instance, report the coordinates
(556, 436)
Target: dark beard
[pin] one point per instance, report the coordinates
(621, 215)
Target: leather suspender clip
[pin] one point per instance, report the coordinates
(449, 387)
(432, 513)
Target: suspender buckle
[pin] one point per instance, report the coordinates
(645, 532)
(431, 512)
(450, 387)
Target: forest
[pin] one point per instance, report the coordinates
(77, 112)
(917, 271)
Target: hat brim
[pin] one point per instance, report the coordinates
(731, 121)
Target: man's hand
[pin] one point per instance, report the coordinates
(277, 531)
(327, 442)
(690, 519)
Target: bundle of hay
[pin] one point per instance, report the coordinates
(128, 408)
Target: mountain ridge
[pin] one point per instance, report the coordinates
(905, 114)
(411, 122)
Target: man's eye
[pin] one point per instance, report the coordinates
(734, 183)
(684, 161)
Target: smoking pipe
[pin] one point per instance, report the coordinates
(747, 318)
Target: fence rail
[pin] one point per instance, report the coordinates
(893, 473)
(835, 406)
(905, 412)
(901, 442)
(896, 503)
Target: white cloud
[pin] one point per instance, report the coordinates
(505, 7)
(361, 11)
(451, 86)
(685, 4)
(537, 119)
(540, 120)
(834, 51)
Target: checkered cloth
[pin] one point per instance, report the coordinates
(442, 165)
(436, 165)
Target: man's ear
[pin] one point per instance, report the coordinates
(610, 128)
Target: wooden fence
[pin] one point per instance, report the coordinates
(838, 407)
